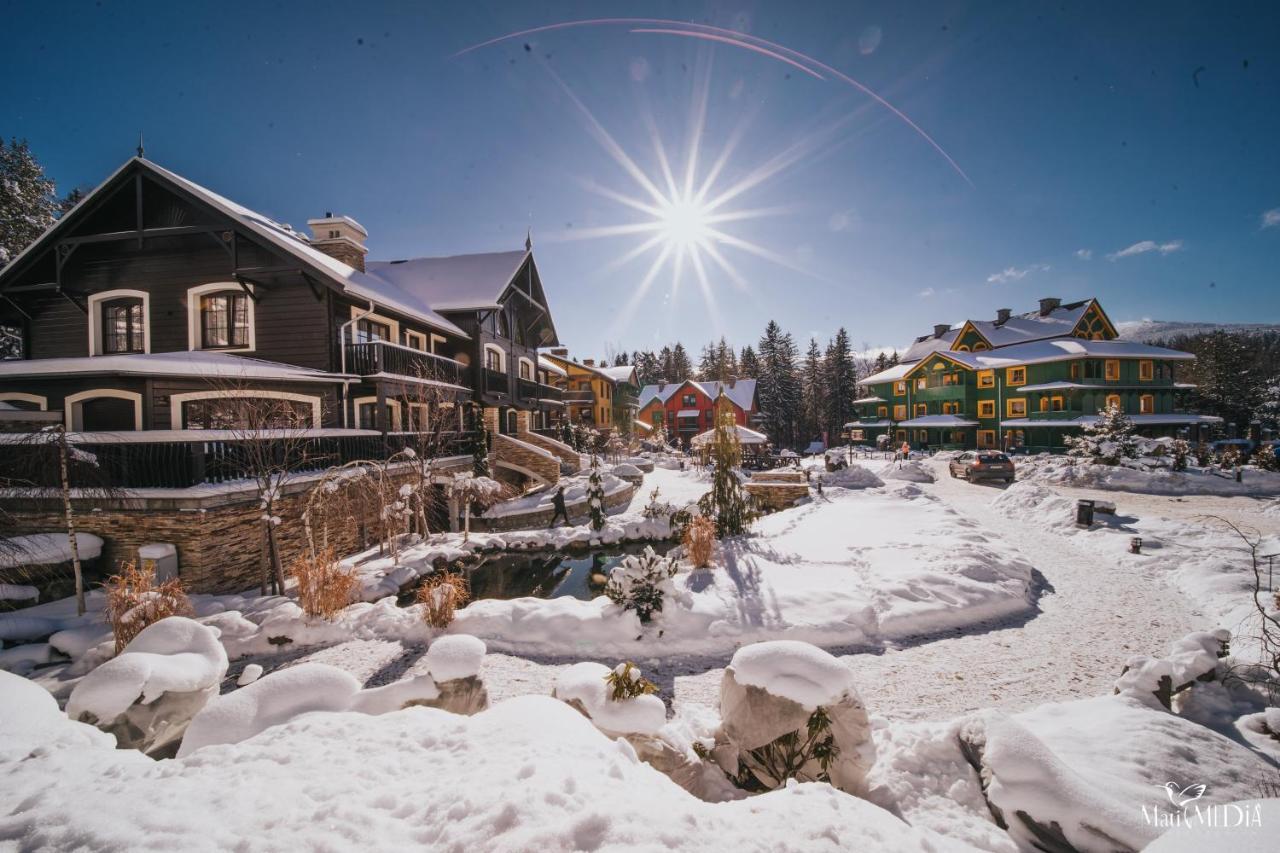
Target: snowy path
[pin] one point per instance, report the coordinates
(1094, 615)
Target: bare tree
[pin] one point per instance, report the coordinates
(1266, 603)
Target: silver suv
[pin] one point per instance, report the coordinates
(982, 465)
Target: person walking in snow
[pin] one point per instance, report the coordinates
(905, 451)
(557, 502)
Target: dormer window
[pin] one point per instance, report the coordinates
(224, 320)
(123, 325)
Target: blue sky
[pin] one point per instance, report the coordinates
(1084, 130)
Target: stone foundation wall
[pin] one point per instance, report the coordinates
(219, 538)
(559, 448)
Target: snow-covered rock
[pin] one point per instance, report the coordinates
(584, 687)
(149, 694)
(772, 689)
(42, 548)
(911, 471)
(455, 656)
(852, 477)
(277, 698)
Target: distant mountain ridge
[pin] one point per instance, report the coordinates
(1146, 331)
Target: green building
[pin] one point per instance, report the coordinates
(1024, 380)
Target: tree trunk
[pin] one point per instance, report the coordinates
(266, 556)
(70, 518)
(277, 565)
(466, 521)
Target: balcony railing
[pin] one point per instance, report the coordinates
(626, 401)
(549, 392)
(579, 396)
(374, 357)
(139, 464)
(496, 382)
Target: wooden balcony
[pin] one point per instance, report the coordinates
(383, 357)
(496, 382)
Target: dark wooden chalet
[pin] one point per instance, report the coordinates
(155, 304)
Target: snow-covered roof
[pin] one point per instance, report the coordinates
(929, 344)
(356, 283)
(647, 427)
(621, 373)
(891, 374)
(550, 366)
(741, 393)
(1140, 420)
(1033, 326)
(858, 424)
(1056, 386)
(745, 436)
(455, 282)
(869, 400)
(170, 436)
(688, 413)
(195, 363)
(1065, 349)
(938, 421)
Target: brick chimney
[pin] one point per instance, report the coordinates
(1048, 304)
(1002, 315)
(562, 352)
(589, 362)
(941, 329)
(341, 238)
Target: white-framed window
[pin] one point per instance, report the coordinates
(372, 327)
(29, 402)
(220, 316)
(366, 413)
(526, 368)
(217, 409)
(495, 358)
(119, 322)
(437, 341)
(103, 410)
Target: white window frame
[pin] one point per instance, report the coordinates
(73, 415)
(533, 370)
(502, 357)
(176, 401)
(393, 408)
(95, 318)
(25, 398)
(362, 314)
(436, 340)
(423, 343)
(195, 329)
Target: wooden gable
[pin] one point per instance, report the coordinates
(969, 339)
(937, 361)
(1095, 325)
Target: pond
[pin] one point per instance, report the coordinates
(550, 574)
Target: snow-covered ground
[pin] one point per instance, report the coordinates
(965, 614)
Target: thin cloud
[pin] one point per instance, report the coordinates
(1141, 248)
(1084, 254)
(927, 292)
(1015, 273)
(1271, 218)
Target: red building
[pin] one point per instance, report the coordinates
(688, 408)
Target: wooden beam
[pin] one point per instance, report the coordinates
(244, 283)
(145, 234)
(316, 291)
(15, 305)
(137, 190)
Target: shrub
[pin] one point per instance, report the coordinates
(1265, 458)
(135, 600)
(640, 583)
(1229, 459)
(766, 767)
(625, 682)
(1178, 454)
(324, 587)
(700, 541)
(1204, 455)
(440, 595)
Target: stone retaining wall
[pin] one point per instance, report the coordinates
(563, 451)
(536, 461)
(540, 518)
(218, 535)
(772, 497)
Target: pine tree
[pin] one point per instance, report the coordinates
(1108, 440)
(480, 447)
(681, 367)
(28, 204)
(728, 503)
(882, 362)
(748, 364)
(778, 386)
(841, 383)
(813, 388)
(595, 495)
(707, 368)
(666, 365)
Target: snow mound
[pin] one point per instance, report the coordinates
(30, 718)
(528, 774)
(42, 548)
(852, 477)
(1030, 501)
(797, 671)
(1158, 481)
(455, 656)
(913, 471)
(584, 685)
(289, 693)
(175, 655)
(1249, 828)
(626, 470)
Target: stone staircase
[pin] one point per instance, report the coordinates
(525, 458)
(571, 460)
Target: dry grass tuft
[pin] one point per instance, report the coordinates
(700, 541)
(135, 600)
(324, 587)
(440, 595)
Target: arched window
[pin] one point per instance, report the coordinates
(103, 410)
(119, 322)
(244, 409)
(220, 316)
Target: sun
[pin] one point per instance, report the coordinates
(685, 223)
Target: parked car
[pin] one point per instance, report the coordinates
(982, 465)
